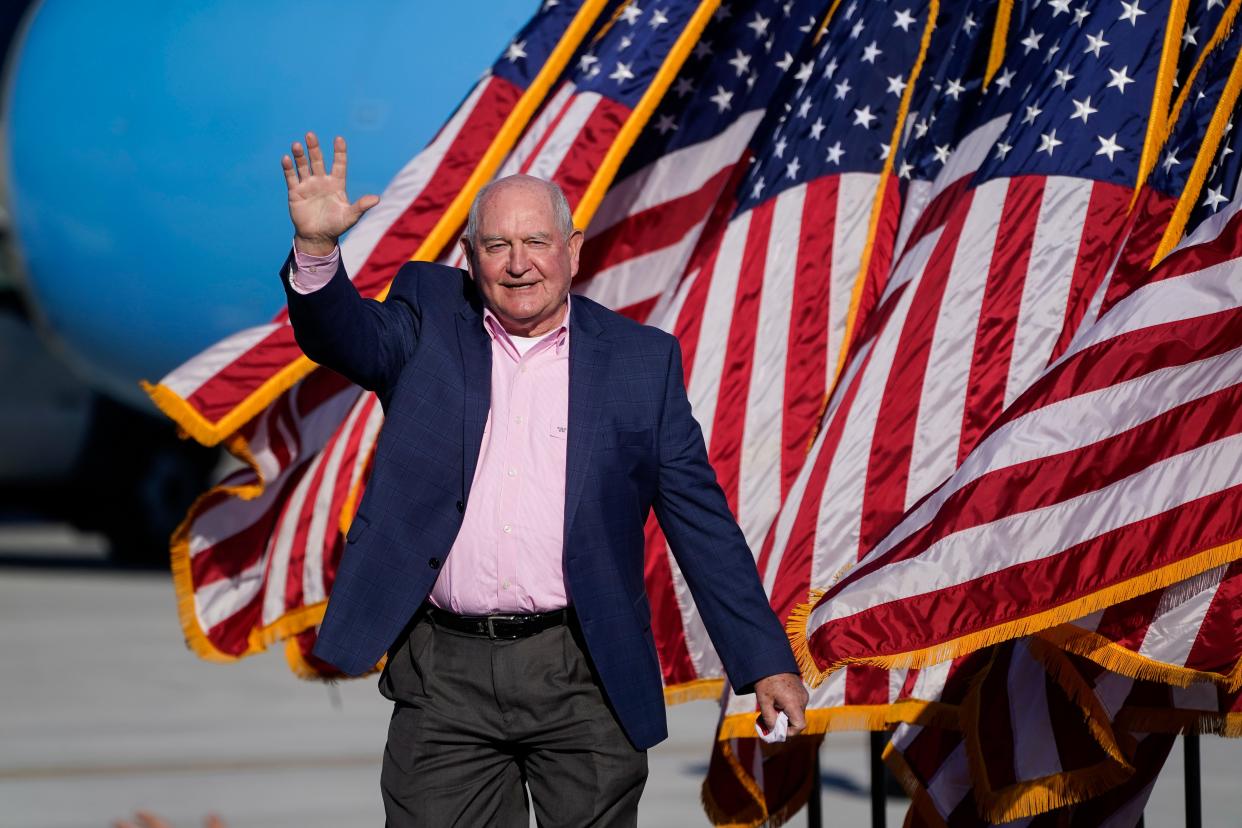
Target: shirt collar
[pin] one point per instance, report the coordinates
(495, 330)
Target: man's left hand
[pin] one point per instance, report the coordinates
(782, 692)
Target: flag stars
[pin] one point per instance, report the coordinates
(586, 61)
(852, 9)
(831, 68)
(1002, 149)
(757, 189)
(804, 71)
(1170, 161)
(1005, 80)
(970, 24)
(872, 52)
(835, 152)
(1063, 77)
(683, 87)
(1081, 14)
(724, 12)
(665, 124)
(631, 13)
(1094, 44)
(723, 99)
(843, 89)
(817, 129)
(1031, 41)
(905, 170)
(1083, 109)
(1214, 198)
(1120, 79)
(622, 73)
(516, 51)
(955, 89)
(1131, 12)
(1048, 142)
(702, 49)
(1032, 112)
(903, 21)
(921, 127)
(791, 169)
(1188, 36)
(759, 25)
(941, 153)
(810, 24)
(856, 31)
(1059, 7)
(784, 63)
(658, 18)
(778, 149)
(1052, 51)
(1109, 146)
(863, 117)
(885, 149)
(626, 42)
(896, 85)
(805, 108)
(740, 62)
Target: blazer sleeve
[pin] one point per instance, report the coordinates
(367, 341)
(710, 548)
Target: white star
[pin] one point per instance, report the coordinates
(757, 190)
(722, 99)
(658, 18)
(885, 149)
(805, 109)
(942, 153)
(1031, 41)
(1188, 36)
(850, 10)
(1215, 198)
(831, 68)
(778, 149)
(1109, 146)
(1095, 43)
(955, 89)
(1119, 79)
(1080, 15)
(1214, 3)
(856, 31)
(584, 62)
(740, 62)
(1063, 77)
(787, 9)
(759, 25)
(1048, 142)
(1052, 50)
(904, 170)
(871, 53)
(1170, 161)
(750, 80)
(896, 85)
(517, 49)
(903, 21)
(665, 124)
(702, 49)
(631, 13)
(626, 42)
(1131, 12)
(1002, 149)
(804, 72)
(863, 117)
(1083, 109)
(791, 169)
(550, 3)
(1005, 79)
(920, 128)
(810, 24)
(834, 153)
(843, 89)
(683, 87)
(817, 129)
(969, 23)
(784, 63)
(622, 72)
(767, 44)
(722, 13)
(1059, 7)
(1032, 112)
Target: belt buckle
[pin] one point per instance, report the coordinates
(491, 627)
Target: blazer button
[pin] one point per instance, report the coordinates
(461, 507)
(434, 563)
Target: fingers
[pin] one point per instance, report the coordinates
(338, 158)
(299, 159)
(767, 712)
(315, 152)
(365, 203)
(291, 178)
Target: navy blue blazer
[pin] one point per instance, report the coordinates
(632, 445)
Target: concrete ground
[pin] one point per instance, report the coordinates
(104, 711)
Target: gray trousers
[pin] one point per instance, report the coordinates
(476, 722)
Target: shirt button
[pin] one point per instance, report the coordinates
(513, 472)
(518, 419)
(434, 563)
(505, 585)
(508, 528)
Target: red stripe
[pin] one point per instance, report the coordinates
(726, 443)
(1126, 623)
(590, 146)
(806, 362)
(1217, 643)
(888, 467)
(537, 150)
(666, 625)
(866, 685)
(232, 635)
(921, 620)
(998, 319)
(242, 377)
(880, 266)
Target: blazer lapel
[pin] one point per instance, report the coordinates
(476, 365)
(588, 361)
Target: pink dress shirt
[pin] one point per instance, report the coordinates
(508, 555)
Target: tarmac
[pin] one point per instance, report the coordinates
(105, 711)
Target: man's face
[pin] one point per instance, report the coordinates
(520, 262)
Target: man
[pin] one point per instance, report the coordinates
(497, 556)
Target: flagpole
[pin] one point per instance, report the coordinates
(815, 802)
(878, 793)
(1194, 800)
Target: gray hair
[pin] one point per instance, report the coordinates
(560, 205)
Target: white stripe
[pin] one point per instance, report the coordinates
(668, 309)
(918, 196)
(1199, 696)
(1045, 288)
(192, 375)
(851, 221)
(951, 782)
(1175, 629)
(220, 600)
(709, 353)
(759, 467)
(942, 397)
(698, 643)
(1214, 225)
(930, 681)
(280, 550)
(1112, 689)
(536, 129)
(641, 277)
(563, 135)
(970, 154)
(406, 186)
(676, 174)
(1041, 533)
(1034, 746)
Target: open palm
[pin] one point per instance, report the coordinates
(320, 209)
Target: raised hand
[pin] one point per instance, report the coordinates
(320, 209)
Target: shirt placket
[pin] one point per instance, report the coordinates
(509, 593)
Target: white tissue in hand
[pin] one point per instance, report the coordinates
(777, 733)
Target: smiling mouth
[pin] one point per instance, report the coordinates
(522, 286)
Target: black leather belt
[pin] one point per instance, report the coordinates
(498, 626)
